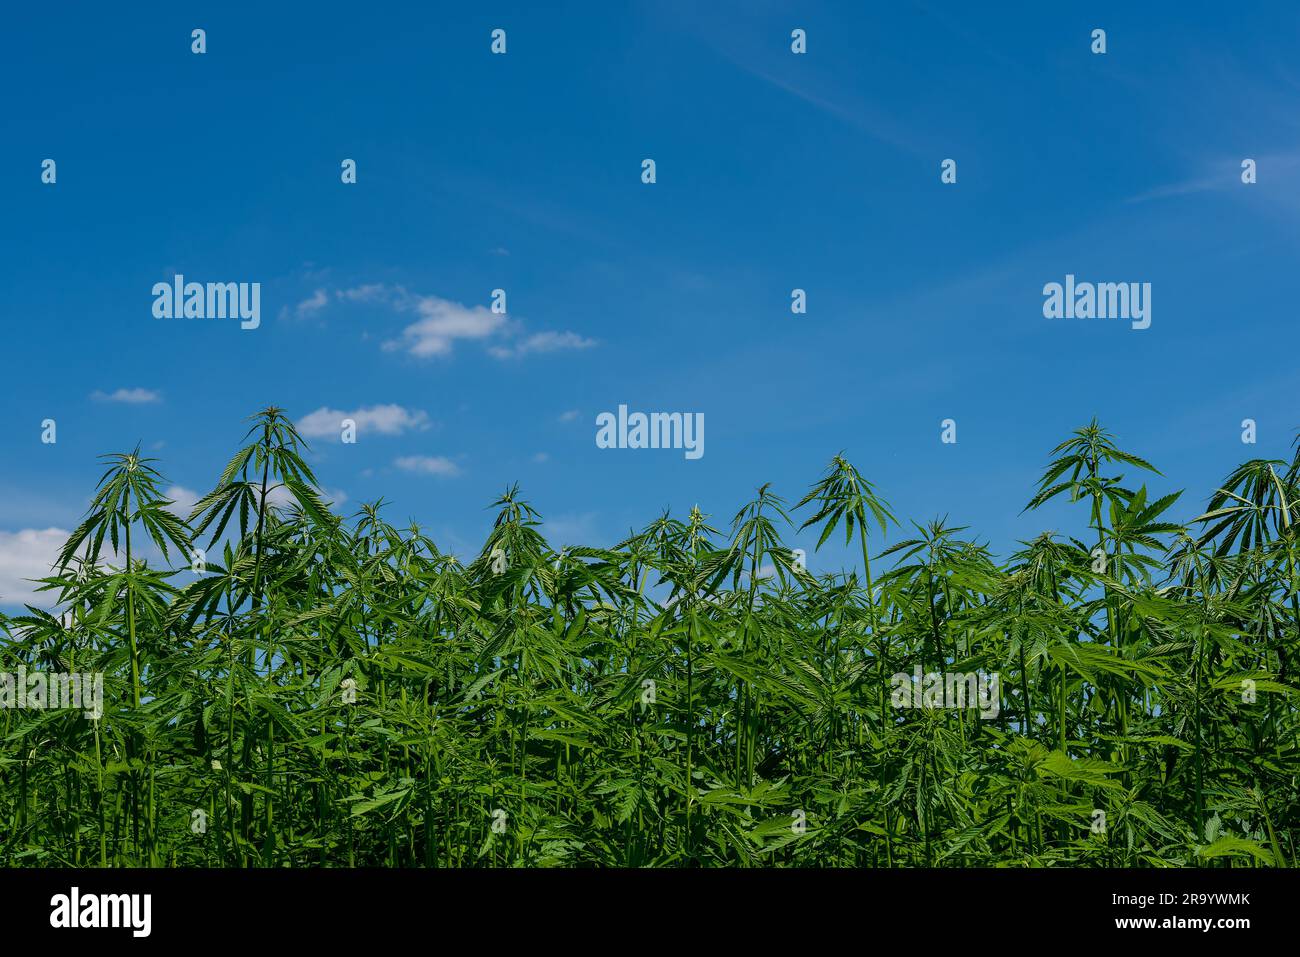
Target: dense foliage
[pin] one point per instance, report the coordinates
(344, 693)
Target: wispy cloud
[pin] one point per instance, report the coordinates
(428, 465)
(128, 396)
(573, 528)
(541, 342)
(336, 497)
(1221, 174)
(864, 116)
(743, 41)
(311, 305)
(371, 292)
(442, 324)
(389, 419)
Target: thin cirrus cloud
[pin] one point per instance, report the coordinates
(438, 465)
(571, 528)
(1224, 173)
(388, 419)
(541, 342)
(439, 324)
(311, 305)
(135, 396)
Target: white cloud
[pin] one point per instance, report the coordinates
(279, 496)
(441, 323)
(570, 416)
(428, 465)
(130, 396)
(541, 458)
(542, 342)
(313, 304)
(183, 500)
(27, 554)
(371, 292)
(390, 419)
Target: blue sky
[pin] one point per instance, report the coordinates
(522, 172)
